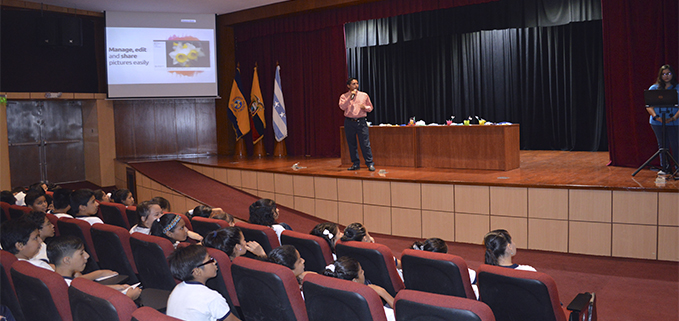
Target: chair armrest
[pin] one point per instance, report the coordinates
(583, 307)
(580, 302)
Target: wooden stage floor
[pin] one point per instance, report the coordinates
(549, 169)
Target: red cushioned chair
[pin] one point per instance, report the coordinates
(43, 294)
(202, 225)
(8, 296)
(112, 243)
(4, 207)
(439, 273)
(315, 250)
(132, 216)
(264, 235)
(329, 298)
(7, 259)
(114, 214)
(416, 305)
(526, 295)
(53, 219)
(16, 211)
(93, 301)
(150, 255)
(376, 260)
(223, 282)
(267, 291)
(150, 314)
(81, 229)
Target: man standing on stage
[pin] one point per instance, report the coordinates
(356, 106)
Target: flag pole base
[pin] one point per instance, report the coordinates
(279, 149)
(240, 152)
(258, 149)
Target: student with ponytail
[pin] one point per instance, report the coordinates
(231, 241)
(500, 249)
(330, 232)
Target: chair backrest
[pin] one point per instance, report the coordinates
(439, 273)
(93, 301)
(519, 295)
(81, 229)
(42, 294)
(315, 250)
(202, 225)
(7, 259)
(8, 297)
(223, 282)
(53, 219)
(112, 243)
(16, 211)
(114, 214)
(150, 314)
(264, 235)
(376, 260)
(4, 207)
(150, 255)
(132, 216)
(336, 299)
(267, 291)
(422, 306)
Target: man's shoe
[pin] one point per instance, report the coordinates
(353, 168)
(371, 168)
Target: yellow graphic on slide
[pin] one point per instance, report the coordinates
(185, 53)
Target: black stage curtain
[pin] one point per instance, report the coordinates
(547, 76)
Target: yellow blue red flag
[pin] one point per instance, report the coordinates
(238, 108)
(257, 121)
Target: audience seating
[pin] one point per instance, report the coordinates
(150, 314)
(81, 229)
(267, 291)
(328, 298)
(150, 255)
(43, 294)
(315, 250)
(112, 243)
(7, 259)
(53, 219)
(93, 301)
(114, 214)
(413, 305)
(8, 295)
(439, 273)
(526, 295)
(202, 225)
(132, 216)
(223, 282)
(376, 260)
(264, 235)
(4, 207)
(16, 211)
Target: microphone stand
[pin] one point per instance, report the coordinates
(663, 150)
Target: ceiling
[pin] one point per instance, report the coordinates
(172, 6)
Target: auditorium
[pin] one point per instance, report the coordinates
(297, 159)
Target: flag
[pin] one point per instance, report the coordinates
(279, 119)
(257, 122)
(238, 111)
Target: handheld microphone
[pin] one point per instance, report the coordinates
(352, 96)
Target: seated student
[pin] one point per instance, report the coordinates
(330, 232)
(346, 268)
(8, 197)
(148, 211)
(123, 196)
(21, 237)
(231, 241)
(172, 227)
(438, 245)
(500, 249)
(62, 202)
(84, 207)
(39, 186)
(50, 203)
(68, 255)
(357, 232)
(224, 216)
(101, 196)
(36, 201)
(264, 212)
(45, 230)
(191, 300)
(205, 211)
(288, 256)
(164, 203)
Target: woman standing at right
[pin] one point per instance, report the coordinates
(667, 81)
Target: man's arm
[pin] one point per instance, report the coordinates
(367, 104)
(344, 101)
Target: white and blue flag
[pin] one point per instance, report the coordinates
(279, 119)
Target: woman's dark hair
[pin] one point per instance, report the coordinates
(224, 239)
(120, 195)
(661, 84)
(166, 223)
(262, 212)
(99, 195)
(8, 197)
(354, 232)
(163, 203)
(433, 244)
(284, 255)
(184, 259)
(346, 268)
(202, 211)
(496, 242)
(327, 231)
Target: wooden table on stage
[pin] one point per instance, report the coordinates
(463, 147)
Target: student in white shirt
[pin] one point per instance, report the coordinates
(500, 249)
(84, 206)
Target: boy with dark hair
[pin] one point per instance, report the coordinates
(20, 237)
(62, 202)
(84, 207)
(36, 201)
(191, 300)
(163, 203)
(68, 255)
(45, 230)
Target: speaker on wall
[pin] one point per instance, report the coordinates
(47, 30)
(59, 31)
(71, 31)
